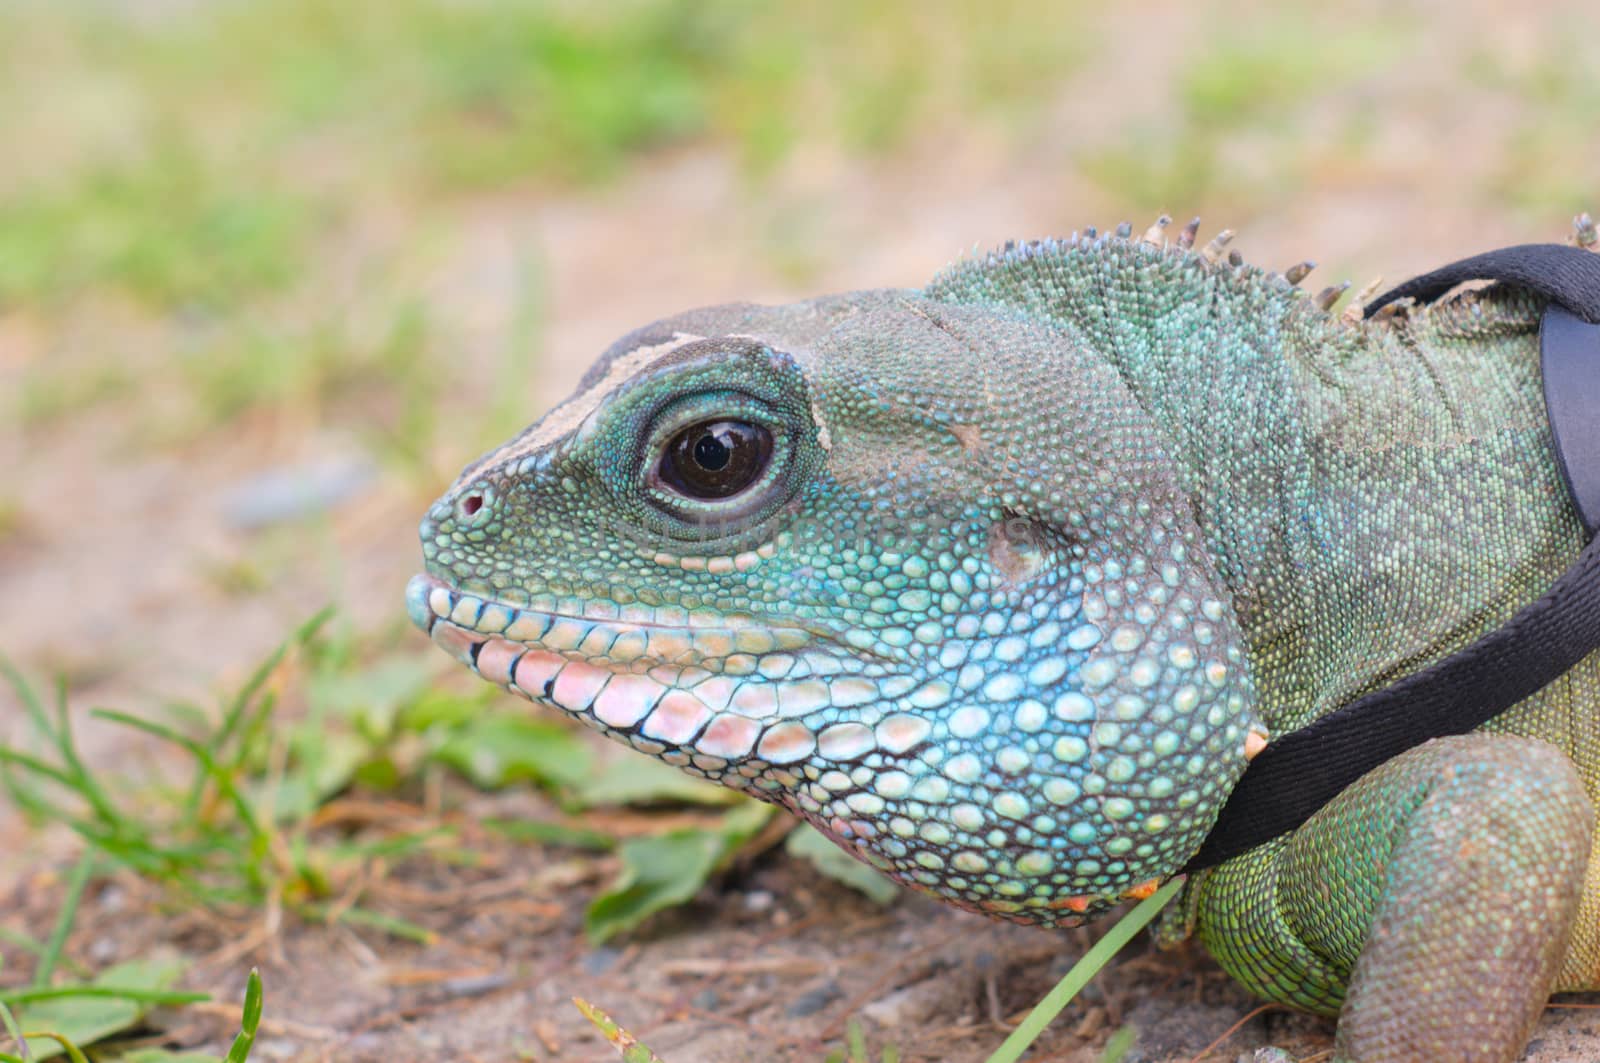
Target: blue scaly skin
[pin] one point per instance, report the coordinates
(1000, 583)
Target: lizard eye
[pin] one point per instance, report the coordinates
(715, 459)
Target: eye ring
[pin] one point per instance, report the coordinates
(715, 459)
(738, 485)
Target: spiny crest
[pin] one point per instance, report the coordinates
(1215, 257)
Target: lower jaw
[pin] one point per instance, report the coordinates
(656, 716)
(742, 720)
(690, 717)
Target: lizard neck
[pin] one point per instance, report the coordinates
(1375, 496)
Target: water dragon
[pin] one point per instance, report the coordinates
(1002, 583)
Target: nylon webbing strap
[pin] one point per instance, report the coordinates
(1303, 770)
(1567, 276)
(1571, 355)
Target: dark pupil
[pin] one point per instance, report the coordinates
(716, 459)
(710, 453)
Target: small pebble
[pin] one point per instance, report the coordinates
(288, 493)
(601, 960)
(813, 1000)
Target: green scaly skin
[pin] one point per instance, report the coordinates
(1041, 555)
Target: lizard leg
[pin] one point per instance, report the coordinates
(1430, 904)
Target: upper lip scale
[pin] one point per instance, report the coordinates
(431, 582)
(423, 616)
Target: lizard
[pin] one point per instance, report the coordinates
(1002, 582)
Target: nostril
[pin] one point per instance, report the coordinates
(470, 506)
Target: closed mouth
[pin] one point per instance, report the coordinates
(715, 687)
(663, 635)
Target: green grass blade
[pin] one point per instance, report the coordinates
(628, 1046)
(18, 940)
(51, 955)
(84, 783)
(1074, 980)
(74, 776)
(30, 701)
(394, 927)
(74, 1054)
(12, 758)
(236, 715)
(216, 771)
(118, 992)
(239, 1051)
(857, 1042)
(10, 1023)
(1119, 1045)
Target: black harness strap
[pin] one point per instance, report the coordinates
(1298, 773)
(1571, 354)
(1567, 276)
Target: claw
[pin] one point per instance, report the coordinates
(1187, 234)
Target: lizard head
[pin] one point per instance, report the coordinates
(918, 571)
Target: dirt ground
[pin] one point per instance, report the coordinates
(112, 581)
